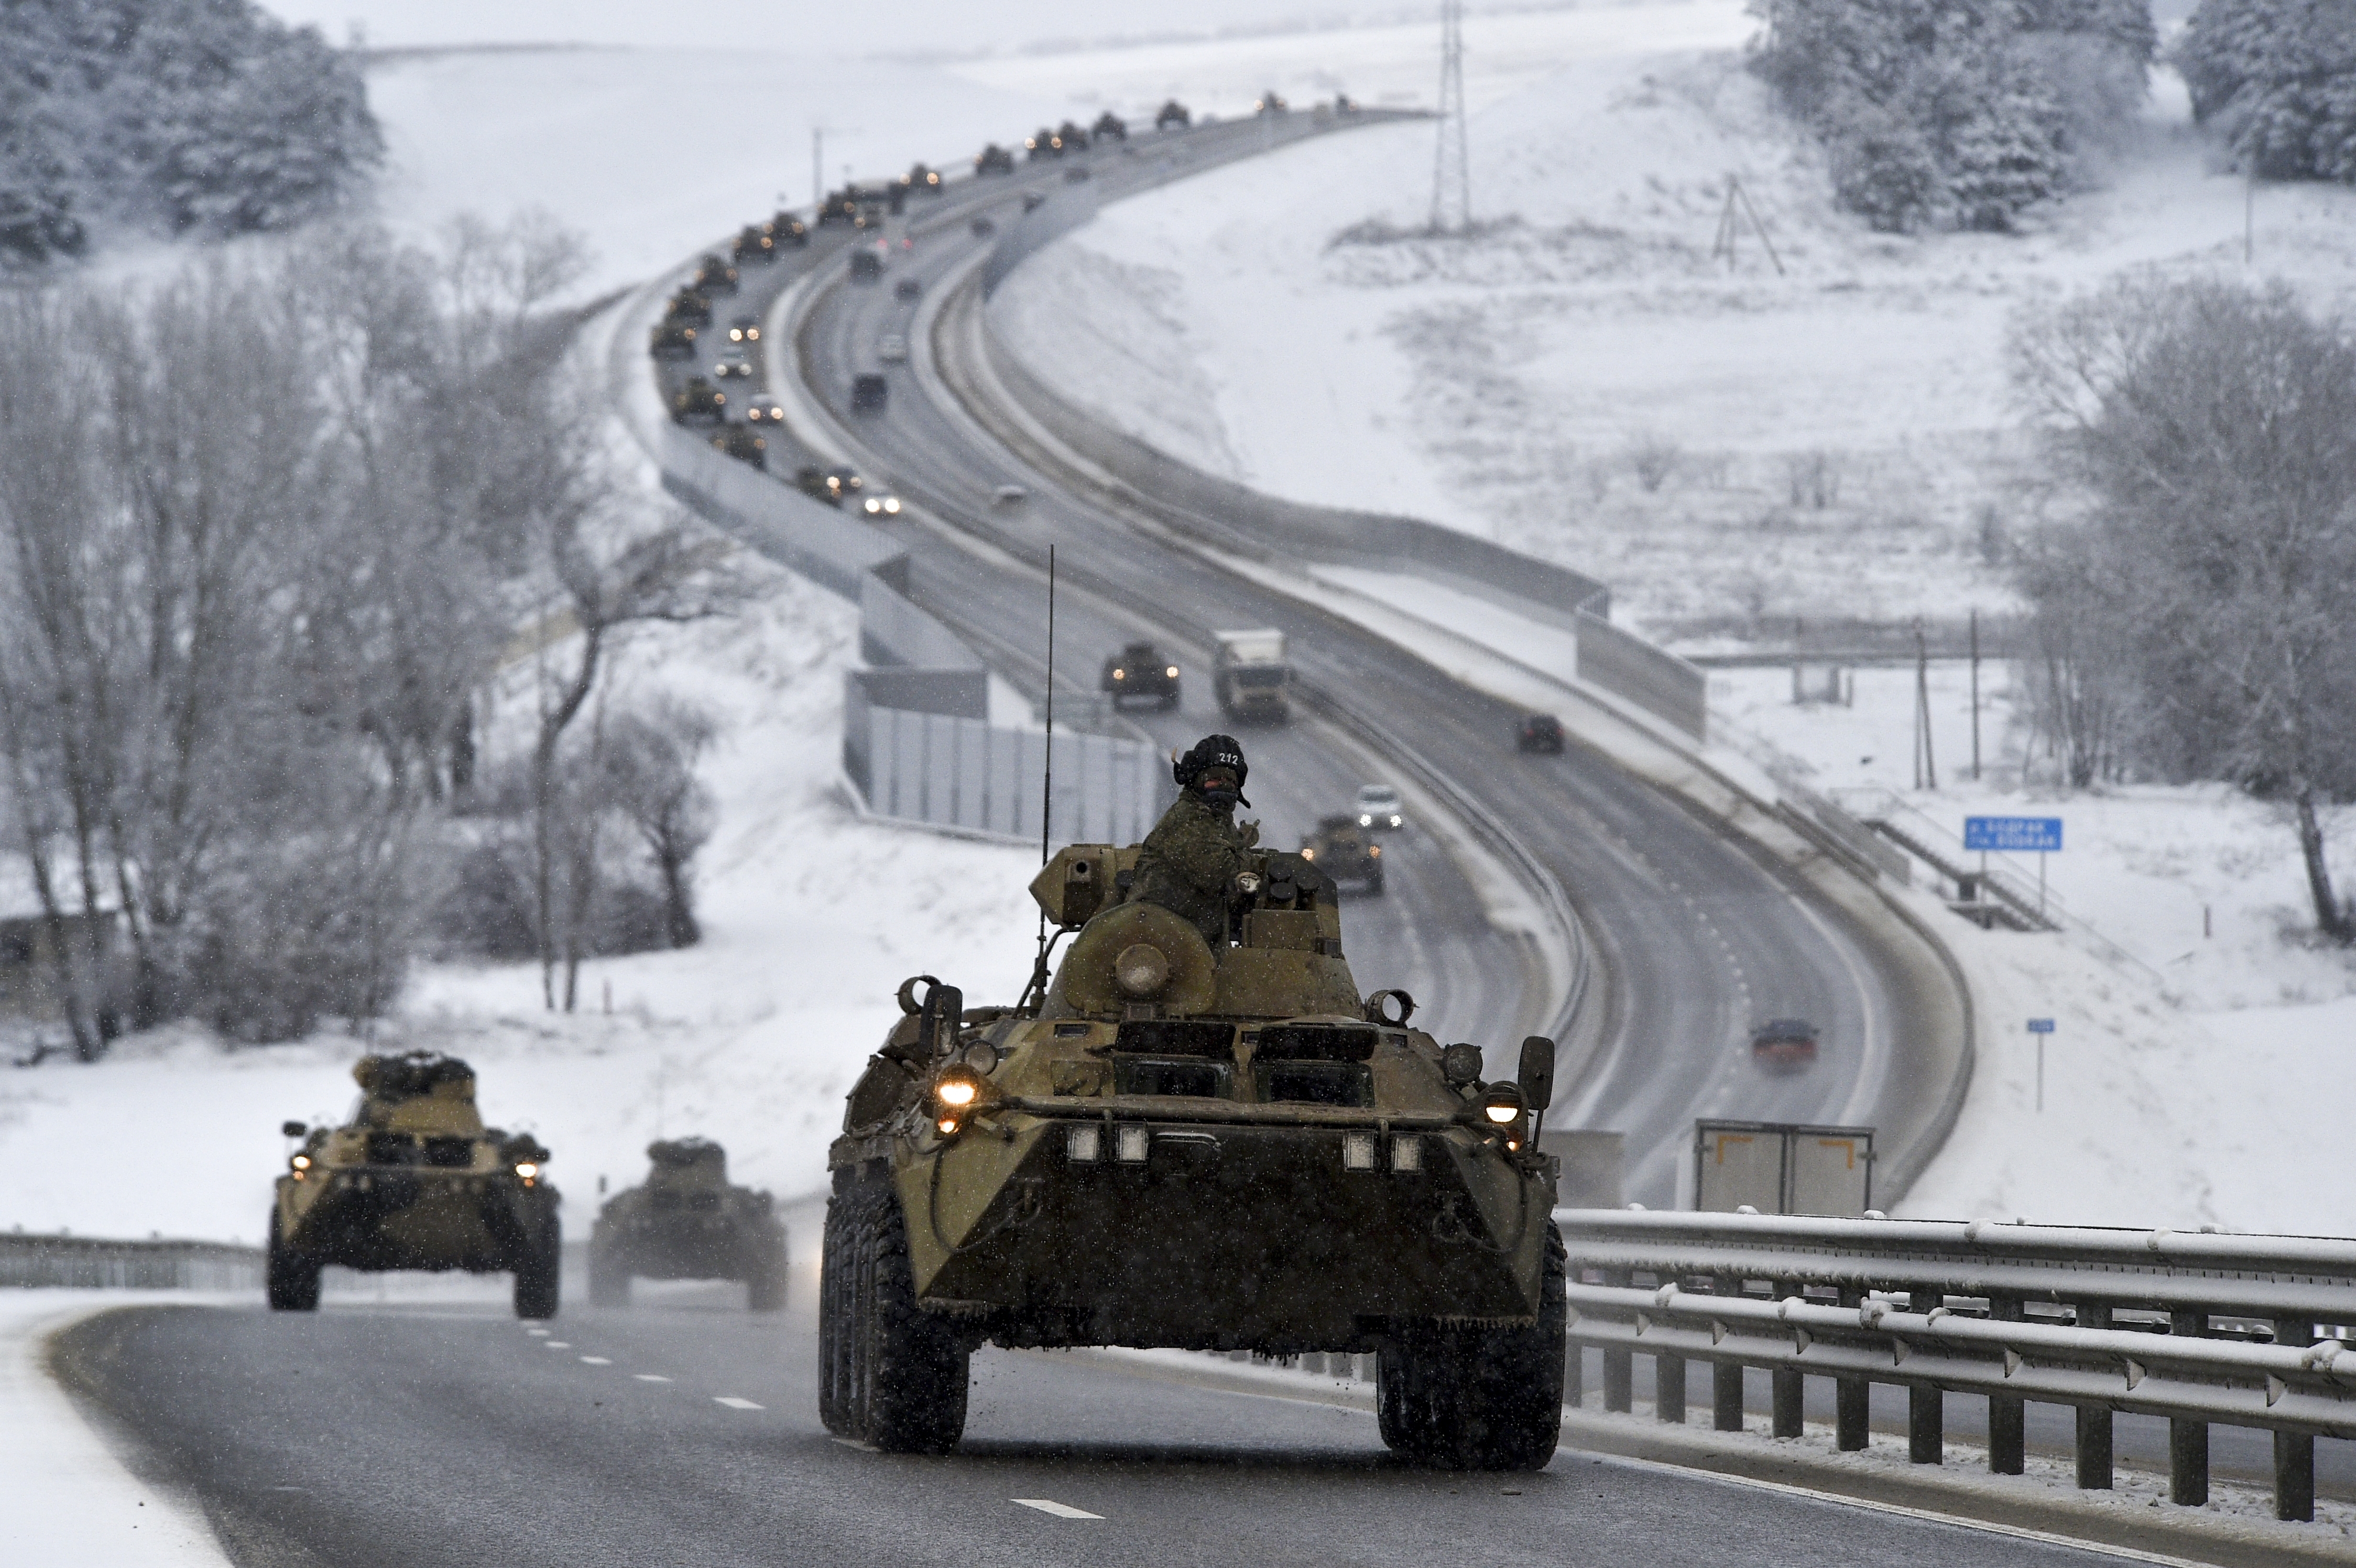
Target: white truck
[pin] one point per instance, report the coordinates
(1250, 675)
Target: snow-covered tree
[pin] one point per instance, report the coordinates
(2277, 78)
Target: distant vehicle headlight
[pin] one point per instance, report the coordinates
(527, 1169)
(1172, 672)
(1365, 819)
(1120, 674)
(301, 1162)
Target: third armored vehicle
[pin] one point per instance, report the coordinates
(414, 1180)
(1172, 115)
(1206, 1145)
(688, 1222)
(1345, 852)
(1139, 670)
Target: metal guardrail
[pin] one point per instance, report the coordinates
(2197, 1327)
(91, 1262)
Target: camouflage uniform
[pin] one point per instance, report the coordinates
(1190, 859)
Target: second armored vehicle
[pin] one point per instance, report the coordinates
(1139, 670)
(688, 1222)
(1217, 1147)
(414, 1180)
(1345, 852)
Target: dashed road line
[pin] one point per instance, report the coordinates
(1061, 1510)
(650, 1377)
(733, 1402)
(558, 1345)
(598, 1361)
(537, 1333)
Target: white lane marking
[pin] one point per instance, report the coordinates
(598, 1361)
(1061, 1510)
(733, 1402)
(854, 1442)
(557, 1345)
(537, 1333)
(650, 1377)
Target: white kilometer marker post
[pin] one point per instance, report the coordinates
(1061, 1510)
(598, 1361)
(733, 1402)
(650, 1377)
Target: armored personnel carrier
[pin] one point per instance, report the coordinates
(414, 1180)
(1217, 1148)
(688, 1222)
(1139, 670)
(755, 242)
(1345, 852)
(688, 308)
(713, 276)
(1172, 116)
(671, 340)
(993, 159)
(743, 443)
(699, 399)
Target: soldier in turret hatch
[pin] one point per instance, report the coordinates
(1189, 862)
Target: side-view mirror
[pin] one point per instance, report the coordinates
(943, 1016)
(293, 1129)
(1537, 1071)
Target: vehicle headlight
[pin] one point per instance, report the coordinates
(1394, 819)
(301, 1162)
(1365, 819)
(527, 1169)
(1172, 672)
(1120, 674)
(891, 505)
(1373, 851)
(752, 335)
(1309, 854)
(1501, 1112)
(959, 1092)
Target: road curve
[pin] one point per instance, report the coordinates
(1696, 934)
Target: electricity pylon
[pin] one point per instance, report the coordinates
(1452, 178)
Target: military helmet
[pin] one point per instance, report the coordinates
(1212, 752)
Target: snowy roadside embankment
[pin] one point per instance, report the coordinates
(64, 1497)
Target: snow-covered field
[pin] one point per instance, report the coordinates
(1834, 440)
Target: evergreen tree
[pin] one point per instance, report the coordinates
(2277, 78)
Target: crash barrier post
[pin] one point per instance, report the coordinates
(92, 1262)
(2200, 1328)
(918, 744)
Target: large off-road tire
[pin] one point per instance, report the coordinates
(609, 1279)
(290, 1279)
(838, 1407)
(910, 1366)
(537, 1272)
(1479, 1398)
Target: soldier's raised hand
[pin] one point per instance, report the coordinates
(1250, 834)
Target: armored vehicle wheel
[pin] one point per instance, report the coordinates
(765, 1286)
(291, 1280)
(609, 1280)
(1375, 883)
(837, 1263)
(536, 1276)
(909, 1367)
(1479, 1398)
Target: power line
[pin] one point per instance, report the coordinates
(1452, 178)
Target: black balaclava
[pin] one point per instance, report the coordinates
(1213, 752)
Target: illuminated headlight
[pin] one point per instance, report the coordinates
(301, 1162)
(1129, 1144)
(1373, 851)
(719, 397)
(955, 1092)
(1358, 1151)
(1365, 820)
(527, 1171)
(1120, 674)
(1407, 1155)
(1309, 854)
(752, 335)
(1172, 672)
(1500, 1111)
(891, 505)
(1084, 1144)
(1394, 819)
(735, 335)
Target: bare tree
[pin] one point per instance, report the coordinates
(2214, 428)
(651, 761)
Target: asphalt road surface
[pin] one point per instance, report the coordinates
(686, 1435)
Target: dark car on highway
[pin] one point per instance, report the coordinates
(763, 409)
(1139, 670)
(869, 391)
(1539, 732)
(1345, 852)
(866, 266)
(908, 288)
(745, 330)
(1785, 1045)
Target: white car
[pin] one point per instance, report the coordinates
(892, 349)
(1378, 807)
(733, 363)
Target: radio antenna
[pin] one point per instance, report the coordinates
(1038, 987)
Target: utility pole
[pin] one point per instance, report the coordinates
(1452, 177)
(818, 168)
(1976, 694)
(1926, 765)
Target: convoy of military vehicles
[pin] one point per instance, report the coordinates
(686, 1221)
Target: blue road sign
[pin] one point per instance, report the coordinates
(2013, 835)
(2040, 1026)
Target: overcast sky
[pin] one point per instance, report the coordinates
(803, 27)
